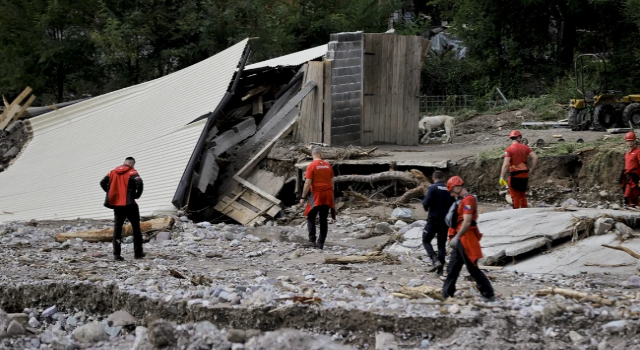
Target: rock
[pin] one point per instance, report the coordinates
(234, 243)
(615, 326)
(162, 334)
(625, 231)
(15, 329)
(142, 341)
(20, 317)
(400, 224)
(570, 202)
(424, 343)
(128, 240)
(90, 333)
(604, 194)
(454, 309)
(62, 344)
(615, 206)
(575, 337)
(34, 323)
(552, 310)
(419, 223)
(120, 319)
(632, 281)
(383, 228)
(402, 213)
(50, 311)
(291, 339)
(72, 321)
(236, 335)
(163, 236)
(47, 337)
(386, 341)
(602, 225)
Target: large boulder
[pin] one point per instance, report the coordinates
(90, 333)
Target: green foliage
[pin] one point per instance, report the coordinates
(610, 146)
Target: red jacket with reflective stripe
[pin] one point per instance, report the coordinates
(123, 186)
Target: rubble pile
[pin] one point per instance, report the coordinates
(62, 295)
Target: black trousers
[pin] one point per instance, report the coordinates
(132, 213)
(457, 259)
(435, 228)
(323, 210)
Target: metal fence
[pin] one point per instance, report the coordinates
(444, 103)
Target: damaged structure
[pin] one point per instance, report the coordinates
(203, 154)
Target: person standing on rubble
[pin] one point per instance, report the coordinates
(515, 161)
(123, 186)
(631, 175)
(436, 202)
(464, 241)
(319, 181)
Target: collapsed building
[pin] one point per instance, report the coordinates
(200, 134)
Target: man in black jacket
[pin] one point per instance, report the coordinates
(436, 202)
(123, 186)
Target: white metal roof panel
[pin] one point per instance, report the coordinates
(57, 174)
(292, 59)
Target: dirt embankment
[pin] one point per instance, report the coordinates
(590, 177)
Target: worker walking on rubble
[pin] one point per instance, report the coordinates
(515, 161)
(631, 175)
(319, 181)
(464, 241)
(123, 186)
(436, 202)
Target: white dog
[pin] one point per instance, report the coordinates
(426, 124)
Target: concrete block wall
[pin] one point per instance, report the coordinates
(346, 51)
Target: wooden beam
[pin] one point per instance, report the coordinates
(233, 136)
(106, 235)
(257, 106)
(208, 171)
(13, 108)
(255, 91)
(266, 128)
(24, 108)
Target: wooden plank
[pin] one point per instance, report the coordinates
(208, 171)
(8, 115)
(22, 110)
(392, 107)
(412, 103)
(380, 92)
(309, 127)
(256, 91)
(235, 210)
(300, 129)
(425, 46)
(400, 70)
(233, 136)
(373, 79)
(257, 106)
(257, 158)
(326, 114)
(284, 111)
(259, 202)
(280, 102)
(388, 64)
(266, 180)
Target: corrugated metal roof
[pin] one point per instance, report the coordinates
(293, 59)
(58, 173)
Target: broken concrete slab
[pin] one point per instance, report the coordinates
(573, 257)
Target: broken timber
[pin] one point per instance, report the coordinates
(14, 111)
(247, 203)
(106, 235)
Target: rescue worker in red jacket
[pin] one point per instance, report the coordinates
(465, 242)
(631, 175)
(319, 181)
(515, 161)
(123, 186)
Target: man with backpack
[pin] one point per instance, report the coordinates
(436, 202)
(464, 241)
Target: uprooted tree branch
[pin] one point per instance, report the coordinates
(412, 177)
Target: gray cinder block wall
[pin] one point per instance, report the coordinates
(346, 51)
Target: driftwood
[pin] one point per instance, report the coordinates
(376, 256)
(340, 153)
(412, 177)
(624, 249)
(607, 265)
(419, 292)
(106, 235)
(580, 296)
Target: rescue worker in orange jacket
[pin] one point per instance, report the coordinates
(319, 181)
(123, 186)
(464, 239)
(515, 161)
(631, 174)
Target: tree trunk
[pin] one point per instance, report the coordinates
(340, 153)
(106, 235)
(412, 177)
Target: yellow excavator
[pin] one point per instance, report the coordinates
(600, 109)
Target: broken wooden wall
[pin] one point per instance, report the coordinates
(311, 126)
(390, 107)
